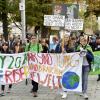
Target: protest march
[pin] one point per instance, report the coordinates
(54, 44)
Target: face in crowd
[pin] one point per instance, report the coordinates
(33, 39)
(66, 39)
(83, 40)
(98, 40)
(11, 37)
(71, 42)
(54, 40)
(43, 42)
(5, 46)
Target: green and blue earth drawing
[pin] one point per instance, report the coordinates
(70, 80)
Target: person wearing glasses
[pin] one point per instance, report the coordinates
(35, 47)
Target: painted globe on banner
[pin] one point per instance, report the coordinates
(70, 80)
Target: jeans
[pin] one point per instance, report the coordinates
(85, 72)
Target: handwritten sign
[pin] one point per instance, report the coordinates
(74, 24)
(48, 69)
(54, 20)
(13, 68)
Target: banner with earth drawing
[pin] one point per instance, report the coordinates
(57, 70)
(50, 70)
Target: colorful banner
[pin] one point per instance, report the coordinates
(57, 70)
(13, 68)
(51, 70)
(96, 64)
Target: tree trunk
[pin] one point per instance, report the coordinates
(4, 20)
(5, 26)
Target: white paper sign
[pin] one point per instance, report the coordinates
(54, 20)
(74, 24)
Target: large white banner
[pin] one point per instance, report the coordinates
(51, 70)
(54, 20)
(57, 70)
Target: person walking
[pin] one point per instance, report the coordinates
(85, 49)
(67, 45)
(35, 47)
(5, 50)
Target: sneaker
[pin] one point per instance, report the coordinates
(81, 94)
(34, 94)
(64, 95)
(98, 79)
(2, 94)
(85, 96)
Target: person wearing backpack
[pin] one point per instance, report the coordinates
(34, 47)
(86, 51)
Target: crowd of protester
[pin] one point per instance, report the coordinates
(69, 43)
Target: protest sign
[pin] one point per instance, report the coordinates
(72, 11)
(54, 20)
(74, 24)
(13, 68)
(50, 69)
(69, 10)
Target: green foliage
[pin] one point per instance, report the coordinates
(35, 10)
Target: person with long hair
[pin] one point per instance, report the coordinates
(5, 50)
(18, 47)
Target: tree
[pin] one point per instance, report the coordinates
(7, 8)
(35, 10)
(93, 7)
(4, 17)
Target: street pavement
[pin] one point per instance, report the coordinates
(22, 92)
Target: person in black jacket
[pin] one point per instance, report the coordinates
(44, 46)
(5, 49)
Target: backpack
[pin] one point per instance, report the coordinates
(90, 58)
